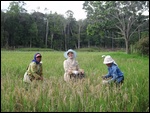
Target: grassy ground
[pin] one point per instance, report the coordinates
(53, 94)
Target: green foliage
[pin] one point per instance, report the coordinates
(34, 49)
(91, 49)
(115, 16)
(105, 19)
(29, 49)
(143, 46)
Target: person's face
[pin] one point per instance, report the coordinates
(38, 58)
(70, 54)
(108, 64)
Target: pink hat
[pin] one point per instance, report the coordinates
(38, 55)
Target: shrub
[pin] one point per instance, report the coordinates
(142, 46)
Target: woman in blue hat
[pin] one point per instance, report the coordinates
(71, 65)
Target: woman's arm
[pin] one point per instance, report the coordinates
(34, 71)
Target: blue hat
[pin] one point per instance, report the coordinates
(70, 50)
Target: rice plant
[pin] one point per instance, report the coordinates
(86, 95)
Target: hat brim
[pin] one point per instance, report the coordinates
(66, 53)
(108, 62)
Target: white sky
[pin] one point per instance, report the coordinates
(55, 6)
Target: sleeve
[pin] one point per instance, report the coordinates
(77, 65)
(66, 68)
(34, 71)
(108, 74)
(41, 70)
(114, 75)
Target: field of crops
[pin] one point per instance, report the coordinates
(87, 95)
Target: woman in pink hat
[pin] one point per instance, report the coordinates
(34, 70)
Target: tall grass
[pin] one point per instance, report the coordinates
(87, 95)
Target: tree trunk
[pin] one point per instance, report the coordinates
(30, 42)
(65, 38)
(46, 34)
(112, 45)
(52, 36)
(65, 41)
(139, 33)
(79, 38)
(88, 43)
(68, 36)
(127, 46)
(6, 35)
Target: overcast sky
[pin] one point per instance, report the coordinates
(55, 6)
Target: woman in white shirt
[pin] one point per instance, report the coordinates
(71, 66)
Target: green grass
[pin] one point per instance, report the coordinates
(53, 94)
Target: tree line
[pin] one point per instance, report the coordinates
(109, 24)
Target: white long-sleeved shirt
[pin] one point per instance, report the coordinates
(70, 64)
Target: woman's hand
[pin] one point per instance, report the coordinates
(105, 82)
(81, 71)
(103, 77)
(69, 72)
(41, 78)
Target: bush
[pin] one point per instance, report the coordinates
(90, 49)
(142, 46)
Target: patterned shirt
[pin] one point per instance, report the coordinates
(35, 70)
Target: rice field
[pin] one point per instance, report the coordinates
(87, 95)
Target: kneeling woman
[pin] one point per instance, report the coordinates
(114, 72)
(34, 70)
(71, 66)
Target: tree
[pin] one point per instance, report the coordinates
(33, 31)
(70, 29)
(80, 22)
(14, 11)
(4, 32)
(47, 21)
(39, 17)
(122, 15)
(55, 26)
